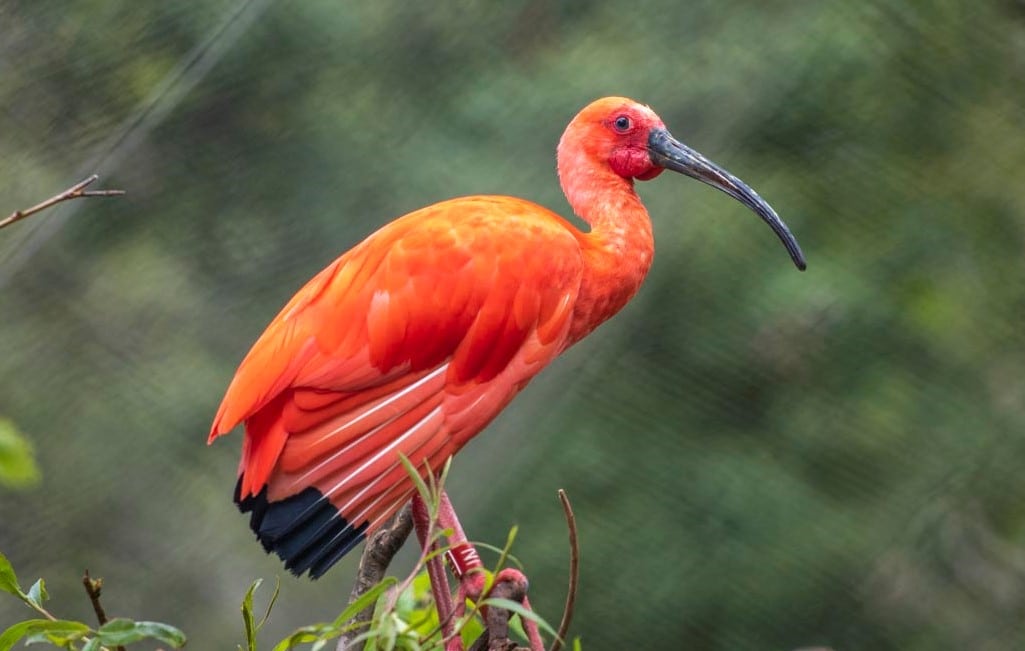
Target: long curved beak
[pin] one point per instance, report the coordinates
(668, 152)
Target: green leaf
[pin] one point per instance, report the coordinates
(368, 598)
(421, 588)
(270, 605)
(93, 644)
(421, 485)
(8, 579)
(9, 637)
(516, 626)
(509, 558)
(247, 615)
(18, 467)
(56, 631)
(471, 630)
(317, 634)
(249, 619)
(121, 631)
(508, 545)
(416, 606)
(386, 633)
(303, 635)
(577, 646)
(37, 593)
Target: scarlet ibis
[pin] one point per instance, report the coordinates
(415, 339)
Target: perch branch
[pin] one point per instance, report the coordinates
(93, 587)
(377, 555)
(76, 191)
(496, 634)
(574, 572)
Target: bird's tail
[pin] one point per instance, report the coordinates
(304, 530)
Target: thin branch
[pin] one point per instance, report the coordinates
(93, 587)
(76, 191)
(39, 609)
(377, 555)
(574, 572)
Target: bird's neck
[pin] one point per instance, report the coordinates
(617, 250)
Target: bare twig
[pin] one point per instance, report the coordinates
(574, 572)
(76, 191)
(380, 549)
(93, 587)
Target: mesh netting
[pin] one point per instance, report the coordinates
(760, 459)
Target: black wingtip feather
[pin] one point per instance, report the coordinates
(304, 530)
(344, 545)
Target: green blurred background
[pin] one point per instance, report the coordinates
(759, 458)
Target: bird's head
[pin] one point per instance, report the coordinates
(629, 140)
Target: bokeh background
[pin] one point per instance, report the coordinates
(759, 458)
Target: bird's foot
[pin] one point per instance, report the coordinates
(509, 584)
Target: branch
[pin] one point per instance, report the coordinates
(93, 587)
(574, 572)
(377, 555)
(496, 634)
(76, 191)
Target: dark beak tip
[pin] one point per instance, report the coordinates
(668, 153)
(794, 249)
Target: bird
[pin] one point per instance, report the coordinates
(411, 342)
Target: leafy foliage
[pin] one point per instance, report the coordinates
(408, 621)
(74, 635)
(252, 627)
(404, 614)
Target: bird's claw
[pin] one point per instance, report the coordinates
(509, 584)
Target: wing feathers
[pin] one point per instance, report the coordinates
(408, 344)
(348, 459)
(335, 427)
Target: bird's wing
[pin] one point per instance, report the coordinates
(408, 344)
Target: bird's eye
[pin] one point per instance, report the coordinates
(622, 123)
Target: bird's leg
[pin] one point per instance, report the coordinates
(462, 557)
(435, 567)
(465, 563)
(469, 571)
